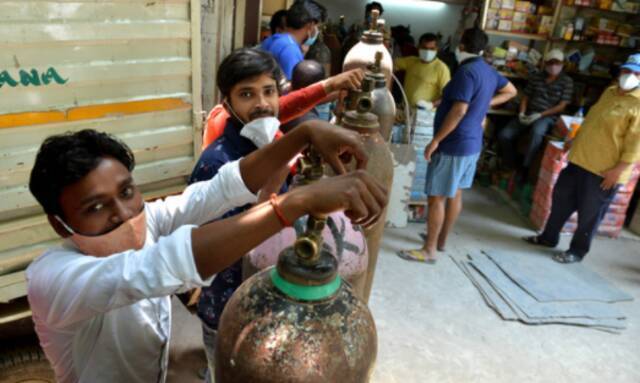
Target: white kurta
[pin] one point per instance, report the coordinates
(109, 319)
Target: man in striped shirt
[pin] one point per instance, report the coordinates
(546, 96)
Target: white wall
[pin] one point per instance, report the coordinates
(423, 16)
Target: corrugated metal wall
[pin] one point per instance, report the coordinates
(121, 66)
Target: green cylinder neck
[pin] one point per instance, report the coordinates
(302, 292)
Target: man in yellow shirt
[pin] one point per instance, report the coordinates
(601, 159)
(426, 75)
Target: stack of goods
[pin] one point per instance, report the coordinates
(614, 219)
(603, 30)
(422, 137)
(624, 6)
(553, 161)
(519, 17)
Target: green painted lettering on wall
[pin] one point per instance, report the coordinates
(27, 78)
(32, 77)
(5, 78)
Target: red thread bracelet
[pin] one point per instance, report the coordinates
(273, 200)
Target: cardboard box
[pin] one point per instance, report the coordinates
(505, 14)
(625, 30)
(603, 24)
(635, 221)
(523, 6)
(622, 198)
(539, 215)
(519, 27)
(626, 6)
(505, 25)
(520, 17)
(545, 10)
(508, 4)
(511, 45)
(545, 25)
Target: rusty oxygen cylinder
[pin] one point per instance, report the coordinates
(345, 240)
(383, 104)
(297, 322)
(380, 166)
(371, 41)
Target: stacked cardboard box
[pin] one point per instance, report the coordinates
(553, 161)
(518, 16)
(421, 138)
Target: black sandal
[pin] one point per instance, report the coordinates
(566, 257)
(537, 241)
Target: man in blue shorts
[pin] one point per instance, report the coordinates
(455, 148)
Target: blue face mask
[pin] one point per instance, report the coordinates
(312, 40)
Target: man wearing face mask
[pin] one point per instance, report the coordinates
(600, 160)
(247, 80)
(546, 96)
(101, 301)
(426, 76)
(303, 19)
(454, 151)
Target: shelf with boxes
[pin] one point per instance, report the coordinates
(602, 23)
(519, 19)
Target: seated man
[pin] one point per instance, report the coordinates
(546, 96)
(426, 76)
(101, 301)
(307, 72)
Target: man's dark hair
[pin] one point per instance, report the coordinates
(305, 73)
(303, 12)
(278, 20)
(65, 159)
(374, 4)
(245, 63)
(474, 40)
(427, 38)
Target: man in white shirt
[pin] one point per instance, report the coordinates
(100, 302)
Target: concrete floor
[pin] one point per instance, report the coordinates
(433, 326)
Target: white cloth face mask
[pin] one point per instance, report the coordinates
(628, 81)
(261, 131)
(427, 54)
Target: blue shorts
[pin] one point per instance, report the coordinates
(446, 174)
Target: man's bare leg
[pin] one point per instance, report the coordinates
(436, 217)
(452, 211)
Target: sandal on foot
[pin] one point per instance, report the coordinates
(566, 257)
(416, 255)
(536, 240)
(424, 238)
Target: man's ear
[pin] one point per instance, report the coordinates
(58, 227)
